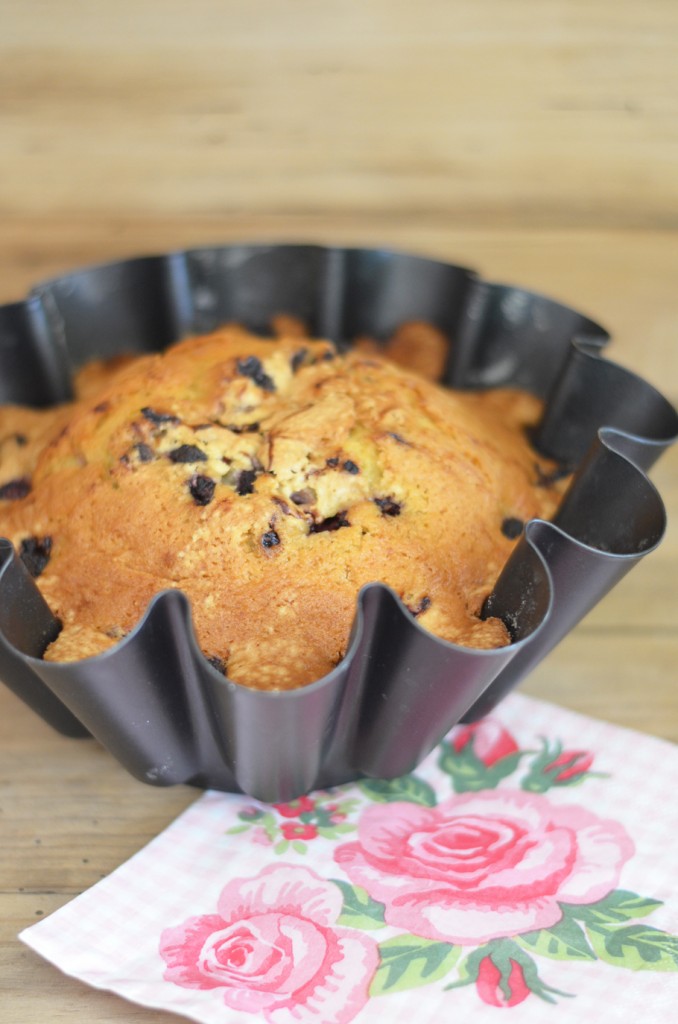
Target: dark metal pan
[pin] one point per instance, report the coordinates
(153, 700)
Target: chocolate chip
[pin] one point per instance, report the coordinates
(145, 453)
(305, 497)
(187, 453)
(398, 438)
(330, 524)
(35, 554)
(245, 484)
(387, 506)
(158, 417)
(297, 359)
(21, 439)
(13, 490)
(218, 663)
(270, 539)
(251, 367)
(201, 489)
(421, 607)
(332, 462)
(351, 467)
(512, 527)
(243, 428)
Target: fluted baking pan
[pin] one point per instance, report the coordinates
(153, 700)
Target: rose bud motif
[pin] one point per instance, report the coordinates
(571, 763)
(488, 738)
(497, 990)
(557, 767)
(478, 756)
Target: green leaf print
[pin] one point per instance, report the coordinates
(637, 947)
(469, 774)
(332, 831)
(408, 788)
(617, 907)
(360, 910)
(408, 961)
(563, 941)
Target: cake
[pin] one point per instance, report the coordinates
(269, 480)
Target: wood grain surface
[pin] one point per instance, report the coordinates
(536, 141)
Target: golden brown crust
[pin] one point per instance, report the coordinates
(271, 480)
(415, 345)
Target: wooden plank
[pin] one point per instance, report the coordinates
(528, 114)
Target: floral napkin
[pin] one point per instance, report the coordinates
(530, 863)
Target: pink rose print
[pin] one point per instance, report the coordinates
(483, 865)
(489, 739)
(273, 949)
(489, 984)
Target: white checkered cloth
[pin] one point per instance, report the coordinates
(228, 926)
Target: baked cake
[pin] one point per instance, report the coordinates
(270, 479)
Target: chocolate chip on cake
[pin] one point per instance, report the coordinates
(350, 467)
(270, 539)
(187, 453)
(13, 490)
(298, 358)
(512, 527)
(330, 524)
(144, 452)
(243, 428)
(332, 462)
(387, 506)
(307, 496)
(245, 484)
(398, 438)
(251, 367)
(35, 553)
(158, 417)
(201, 489)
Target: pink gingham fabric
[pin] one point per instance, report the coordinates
(530, 864)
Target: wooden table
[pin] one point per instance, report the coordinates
(538, 145)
